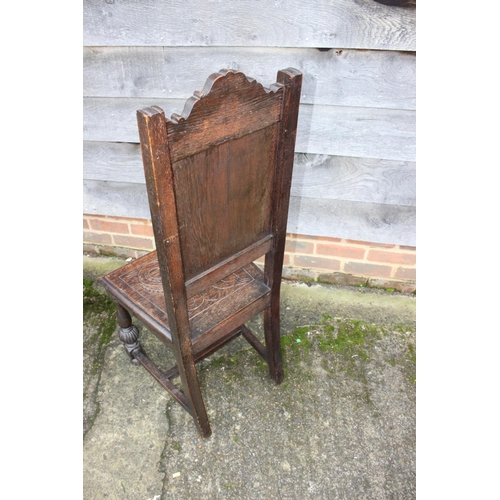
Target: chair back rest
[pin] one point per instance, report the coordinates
(224, 157)
(218, 175)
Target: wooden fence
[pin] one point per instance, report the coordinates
(354, 173)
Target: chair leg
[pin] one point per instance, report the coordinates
(128, 334)
(273, 343)
(192, 391)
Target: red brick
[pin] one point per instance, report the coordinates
(133, 242)
(86, 224)
(405, 273)
(109, 226)
(364, 269)
(316, 262)
(261, 260)
(407, 248)
(340, 250)
(100, 238)
(296, 246)
(391, 257)
(141, 230)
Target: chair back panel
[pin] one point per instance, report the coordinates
(224, 155)
(224, 198)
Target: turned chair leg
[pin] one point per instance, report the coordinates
(129, 333)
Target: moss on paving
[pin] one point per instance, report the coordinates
(99, 318)
(99, 312)
(346, 345)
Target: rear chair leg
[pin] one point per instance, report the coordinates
(273, 344)
(128, 333)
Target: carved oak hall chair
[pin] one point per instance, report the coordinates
(218, 180)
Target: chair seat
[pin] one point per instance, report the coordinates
(213, 312)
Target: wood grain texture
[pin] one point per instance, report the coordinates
(113, 161)
(371, 222)
(239, 23)
(354, 179)
(361, 132)
(227, 266)
(208, 117)
(362, 78)
(374, 222)
(233, 183)
(314, 176)
(334, 130)
(161, 195)
(140, 282)
(115, 198)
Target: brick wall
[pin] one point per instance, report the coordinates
(328, 260)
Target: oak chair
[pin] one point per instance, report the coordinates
(218, 179)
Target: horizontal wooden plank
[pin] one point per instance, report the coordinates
(354, 179)
(114, 119)
(361, 132)
(373, 222)
(113, 161)
(333, 130)
(314, 176)
(240, 23)
(362, 78)
(115, 198)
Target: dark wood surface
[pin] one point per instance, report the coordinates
(209, 116)
(140, 283)
(232, 182)
(218, 179)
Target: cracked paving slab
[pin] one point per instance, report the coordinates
(342, 424)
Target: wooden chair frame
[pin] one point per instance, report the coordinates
(230, 108)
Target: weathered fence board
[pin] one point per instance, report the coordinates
(115, 198)
(113, 161)
(377, 79)
(354, 179)
(361, 132)
(314, 176)
(372, 222)
(242, 23)
(334, 130)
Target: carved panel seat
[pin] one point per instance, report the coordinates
(218, 179)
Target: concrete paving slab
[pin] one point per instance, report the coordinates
(341, 425)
